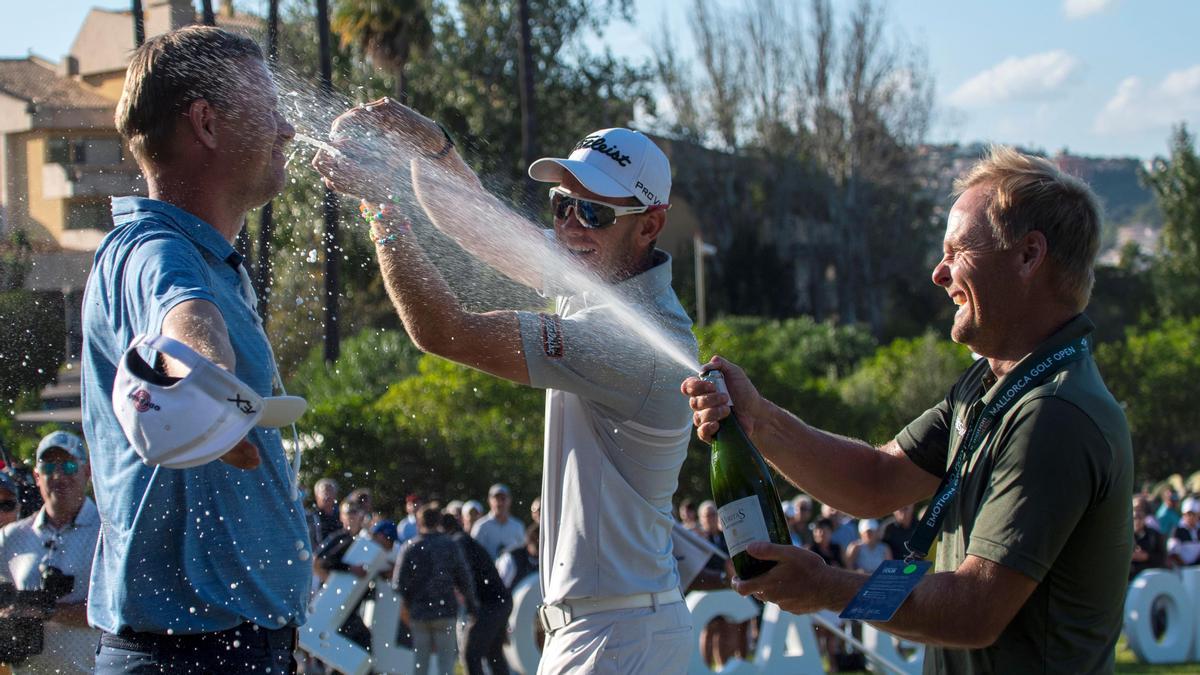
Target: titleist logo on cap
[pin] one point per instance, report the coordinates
(598, 144)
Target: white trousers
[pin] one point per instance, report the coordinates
(646, 641)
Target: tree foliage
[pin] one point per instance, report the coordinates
(835, 108)
(469, 430)
(1153, 373)
(1176, 185)
(398, 422)
(794, 362)
(389, 31)
(900, 381)
(32, 340)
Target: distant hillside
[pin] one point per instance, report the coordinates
(1115, 179)
(1126, 202)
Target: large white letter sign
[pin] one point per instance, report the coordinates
(523, 651)
(319, 636)
(708, 605)
(1175, 646)
(886, 646)
(382, 616)
(786, 643)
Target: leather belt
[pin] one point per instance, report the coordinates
(558, 615)
(247, 635)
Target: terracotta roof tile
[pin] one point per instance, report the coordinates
(29, 81)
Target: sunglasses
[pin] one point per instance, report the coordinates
(68, 467)
(8, 505)
(591, 214)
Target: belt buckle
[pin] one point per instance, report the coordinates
(554, 617)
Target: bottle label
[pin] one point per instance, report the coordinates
(743, 522)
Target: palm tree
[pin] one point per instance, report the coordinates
(207, 17)
(266, 223)
(139, 24)
(332, 250)
(525, 73)
(390, 31)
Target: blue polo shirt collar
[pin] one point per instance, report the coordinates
(203, 235)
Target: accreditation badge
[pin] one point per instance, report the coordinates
(886, 590)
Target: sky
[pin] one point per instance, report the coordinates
(1097, 77)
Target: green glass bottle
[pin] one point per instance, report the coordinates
(746, 499)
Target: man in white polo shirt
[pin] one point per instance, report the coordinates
(616, 426)
(499, 530)
(51, 551)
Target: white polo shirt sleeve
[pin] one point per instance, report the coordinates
(590, 354)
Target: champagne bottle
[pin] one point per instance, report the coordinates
(747, 502)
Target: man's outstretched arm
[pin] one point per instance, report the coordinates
(848, 474)
(199, 325)
(435, 320)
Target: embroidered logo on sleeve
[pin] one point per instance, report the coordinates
(552, 335)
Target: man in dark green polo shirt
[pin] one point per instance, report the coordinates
(1035, 533)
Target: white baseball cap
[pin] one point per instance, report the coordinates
(613, 163)
(1190, 505)
(184, 422)
(62, 440)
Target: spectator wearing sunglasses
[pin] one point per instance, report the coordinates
(10, 500)
(58, 541)
(616, 427)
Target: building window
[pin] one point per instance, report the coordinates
(100, 151)
(58, 151)
(92, 215)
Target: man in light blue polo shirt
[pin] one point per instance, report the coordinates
(203, 569)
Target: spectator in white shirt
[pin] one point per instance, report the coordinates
(499, 531)
(52, 551)
(1183, 548)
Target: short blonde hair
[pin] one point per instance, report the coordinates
(1028, 194)
(170, 71)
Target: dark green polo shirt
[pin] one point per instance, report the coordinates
(1047, 494)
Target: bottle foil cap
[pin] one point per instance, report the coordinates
(717, 378)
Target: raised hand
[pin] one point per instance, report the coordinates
(375, 144)
(710, 407)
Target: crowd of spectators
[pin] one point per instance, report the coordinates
(840, 540)
(1166, 531)
(453, 566)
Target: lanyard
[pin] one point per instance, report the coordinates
(1040, 367)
